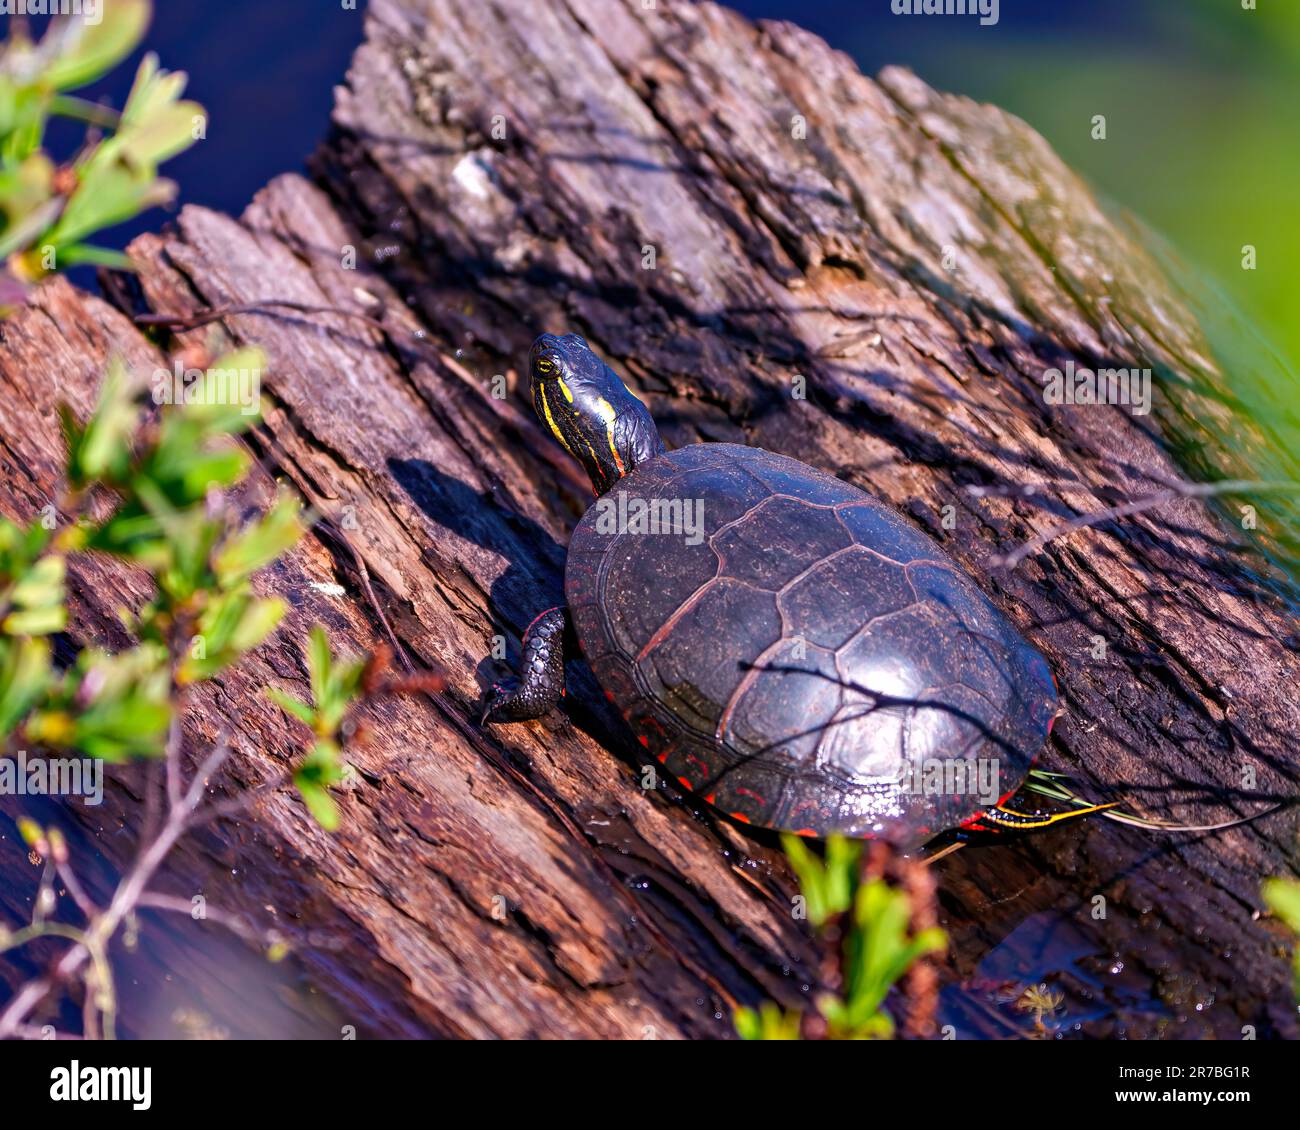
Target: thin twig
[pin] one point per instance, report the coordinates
(84, 902)
(212, 764)
(177, 904)
(1127, 509)
(91, 944)
(215, 314)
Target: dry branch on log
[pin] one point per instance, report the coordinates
(776, 255)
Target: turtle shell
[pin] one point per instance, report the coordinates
(799, 653)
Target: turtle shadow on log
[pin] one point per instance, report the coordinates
(520, 592)
(533, 581)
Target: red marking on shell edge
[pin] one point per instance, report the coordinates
(739, 816)
(685, 782)
(809, 832)
(710, 798)
(971, 821)
(661, 757)
(643, 740)
(609, 696)
(534, 620)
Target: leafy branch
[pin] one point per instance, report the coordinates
(48, 209)
(875, 933)
(169, 473)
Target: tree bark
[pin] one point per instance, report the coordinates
(728, 212)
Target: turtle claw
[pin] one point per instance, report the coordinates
(495, 702)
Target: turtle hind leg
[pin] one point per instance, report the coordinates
(541, 673)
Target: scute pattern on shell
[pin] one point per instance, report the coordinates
(814, 652)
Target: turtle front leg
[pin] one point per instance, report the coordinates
(541, 673)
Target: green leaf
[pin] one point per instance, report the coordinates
(81, 253)
(320, 804)
(827, 886)
(811, 875)
(114, 707)
(1283, 898)
(879, 951)
(38, 592)
(225, 401)
(42, 584)
(205, 471)
(345, 678)
(291, 705)
(36, 621)
(318, 665)
(107, 194)
(231, 625)
(842, 856)
(27, 222)
(182, 567)
(82, 52)
(261, 542)
(322, 768)
(102, 450)
(24, 676)
(258, 621)
(117, 180)
(769, 1022)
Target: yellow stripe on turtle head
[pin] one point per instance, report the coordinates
(550, 421)
(608, 414)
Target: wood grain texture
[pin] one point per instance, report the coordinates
(919, 261)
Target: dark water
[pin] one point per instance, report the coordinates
(265, 72)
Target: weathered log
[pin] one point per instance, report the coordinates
(920, 262)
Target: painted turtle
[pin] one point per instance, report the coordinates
(785, 645)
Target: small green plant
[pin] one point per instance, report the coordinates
(1283, 898)
(866, 923)
(50, 210)
(170, 473)
(334, 686)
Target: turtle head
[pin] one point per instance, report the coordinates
(589, 410)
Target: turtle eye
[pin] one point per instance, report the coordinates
(544, 366)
